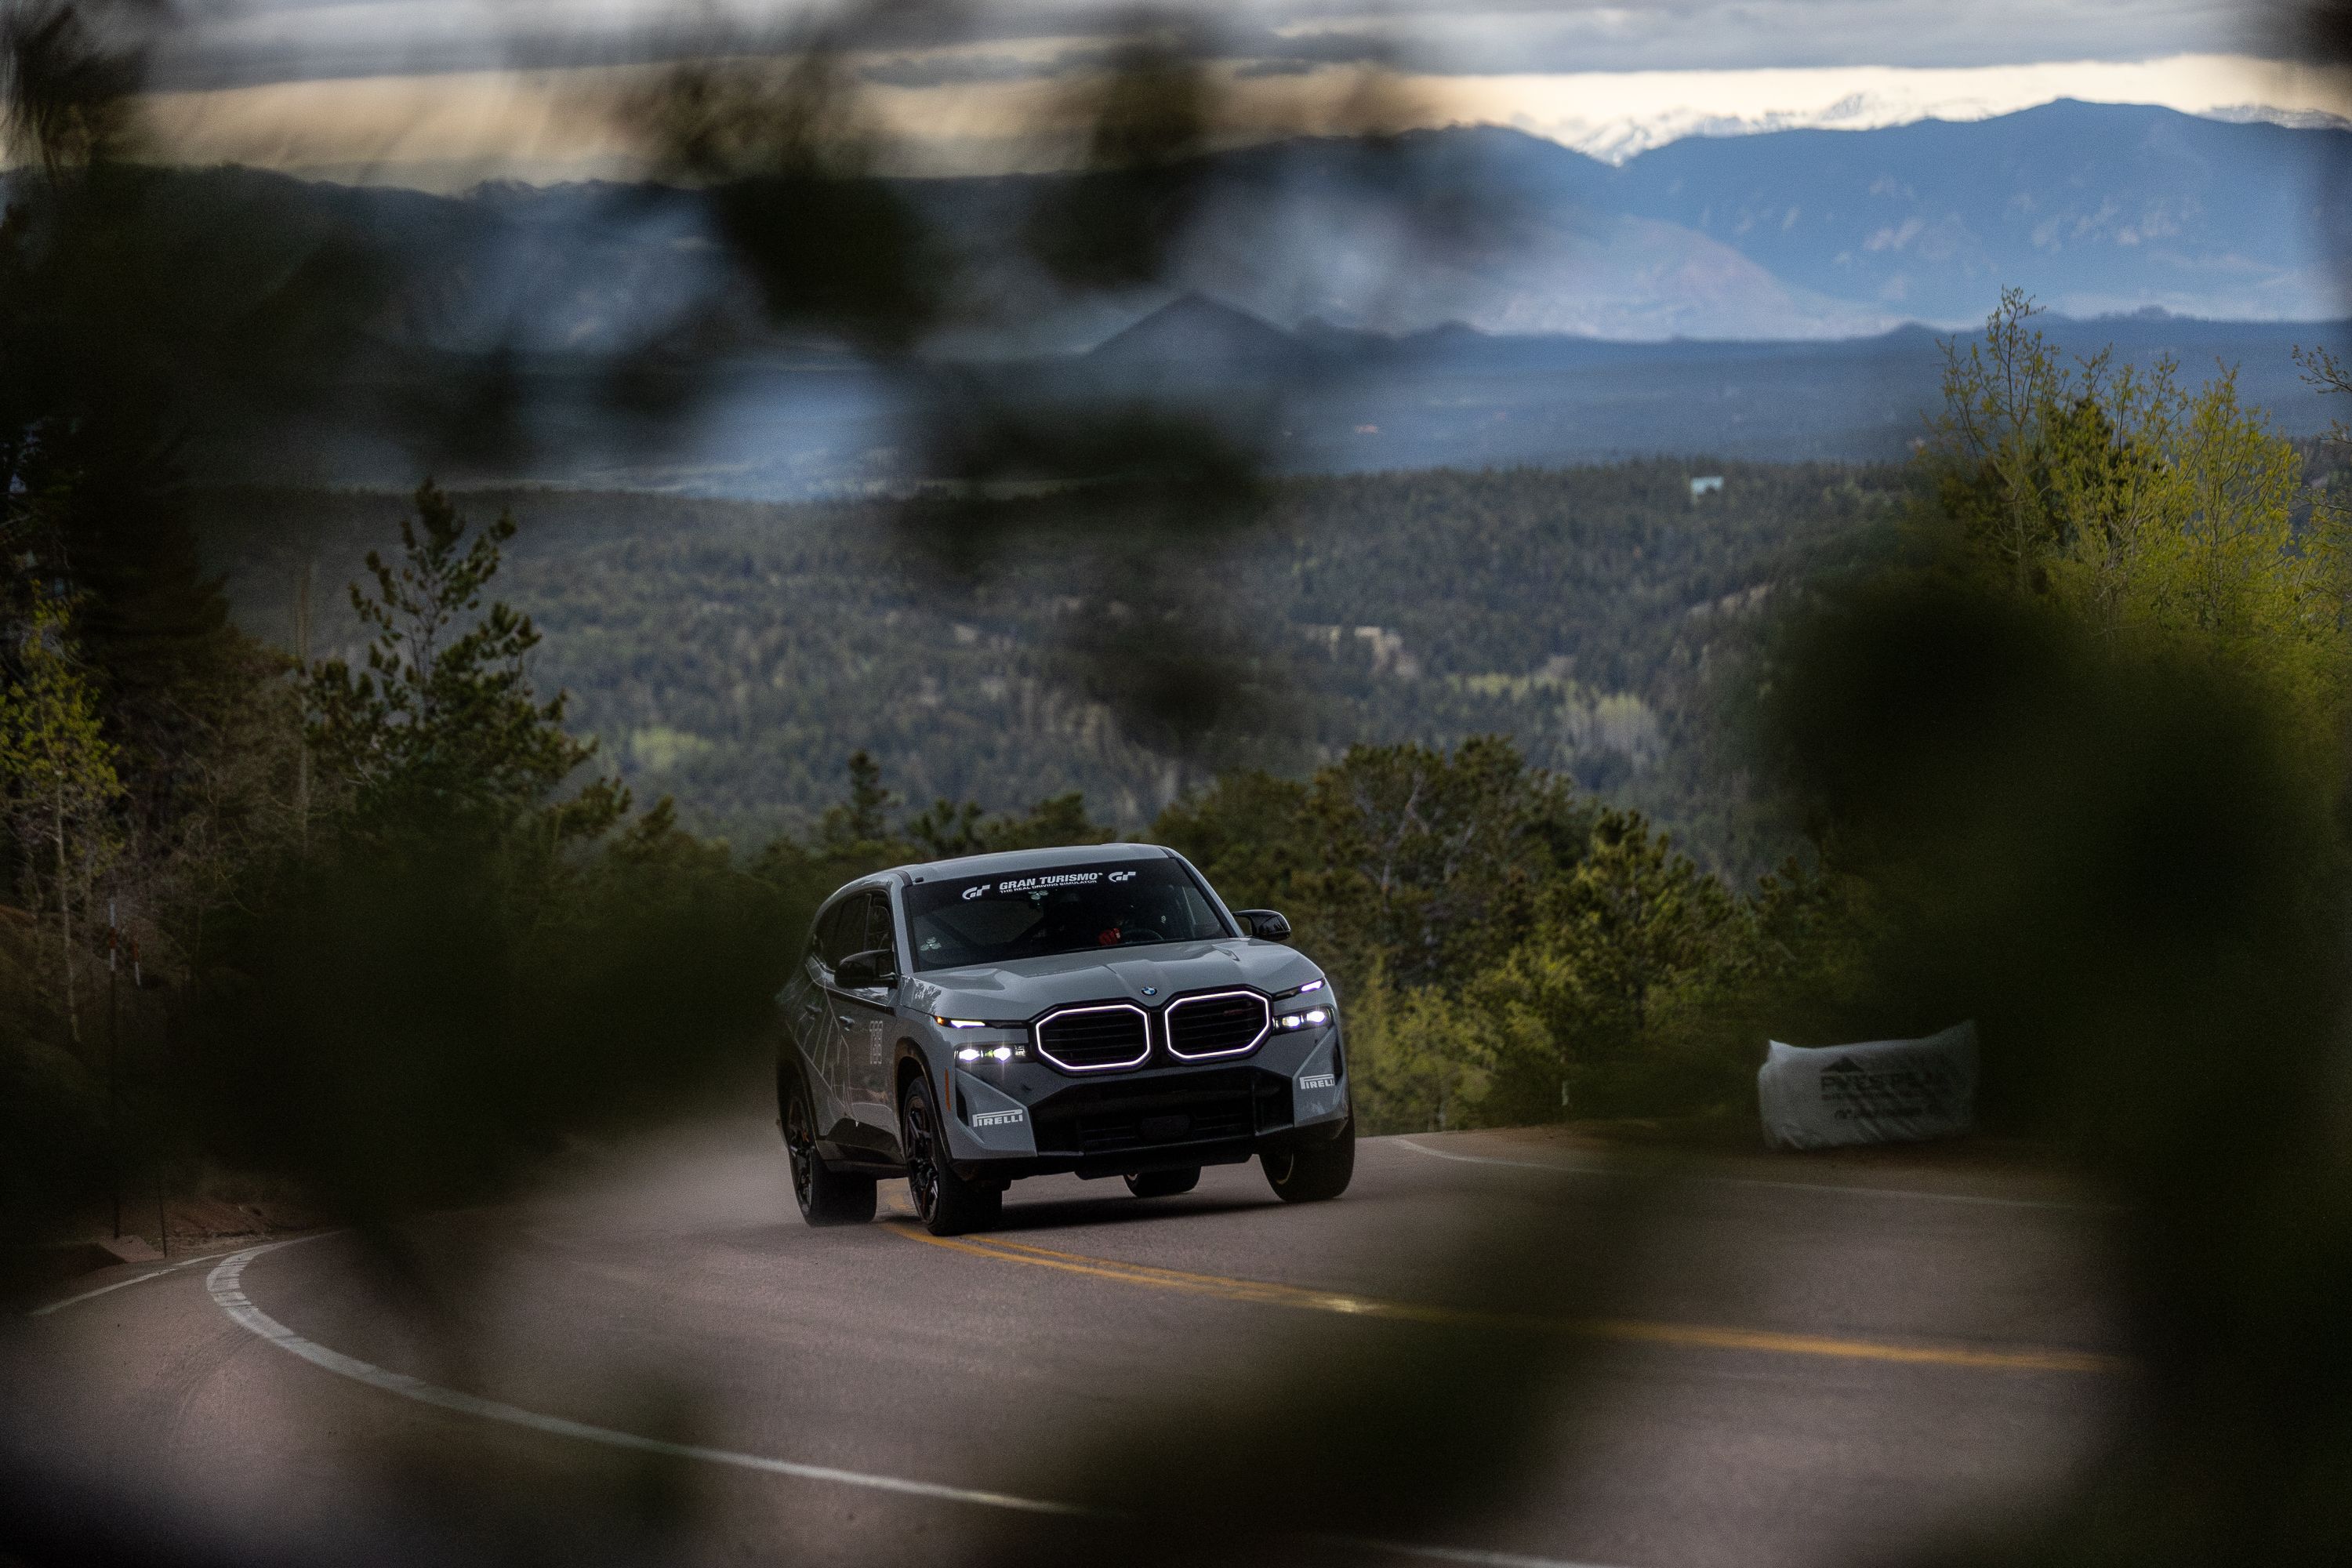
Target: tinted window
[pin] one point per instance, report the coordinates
(842, 931)
(878, 934)
(1062, 909)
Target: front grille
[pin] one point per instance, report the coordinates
(1094, 1039)
(1223, 1025)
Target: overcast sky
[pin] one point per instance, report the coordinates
(495, 85)
(252, 40)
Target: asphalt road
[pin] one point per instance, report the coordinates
(1746, 1362)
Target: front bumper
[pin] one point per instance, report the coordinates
(1033, 1120)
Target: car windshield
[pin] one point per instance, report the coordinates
(1062, 909)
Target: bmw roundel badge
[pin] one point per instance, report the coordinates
(1151, 991)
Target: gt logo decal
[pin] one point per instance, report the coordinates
(996, 1117)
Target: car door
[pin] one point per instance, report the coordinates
(799, 1007)
(808, 1018)
(819, 1029)
(865, 1017)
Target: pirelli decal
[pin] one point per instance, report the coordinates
(1320, 1080)
(997, 1118)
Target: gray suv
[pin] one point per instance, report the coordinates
(1095, 1010)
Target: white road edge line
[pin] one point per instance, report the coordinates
(226, 1283)
(1761, 1181)
(1555, 1168)
(135, 1280)
(1454, 1553)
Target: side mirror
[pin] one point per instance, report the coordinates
(879, 967)
(1267, 925)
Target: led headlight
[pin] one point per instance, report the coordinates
(994, 1054)
(1311, 1019)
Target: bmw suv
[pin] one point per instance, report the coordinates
(1097, 1011)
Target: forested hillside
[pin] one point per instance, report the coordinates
(733, 654)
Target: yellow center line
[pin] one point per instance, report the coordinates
(1685, 1336)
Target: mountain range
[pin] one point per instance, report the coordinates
(1453, 397)
(1804, 233)
(2092, 208)
(1502, 298)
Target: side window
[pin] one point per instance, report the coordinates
(878, 934)
(839, 932)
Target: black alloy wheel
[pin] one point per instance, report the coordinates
(946, 1203)
(1163, 1184)
(1316, 1172)
(826, 1196)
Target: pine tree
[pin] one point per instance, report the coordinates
(859, 820)
(442, 724)
(57, 777)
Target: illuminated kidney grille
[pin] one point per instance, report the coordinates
(1093, 1039)
(1223, 1025)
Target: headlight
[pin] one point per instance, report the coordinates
(985, 1053)
(1311, 1019)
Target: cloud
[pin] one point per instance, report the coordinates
(451, 130)
(1578, 35)
(244, 42)
(443, 89)
(948, 68)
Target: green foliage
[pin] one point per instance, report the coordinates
(2139, 508)
(1420, 1061)
(58, 767)
(442, 721)
(1430, 860)
(1247, 831)
(1631, 921)
(1404, 857)
(57, 780)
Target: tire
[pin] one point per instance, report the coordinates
(826, 1196)
(1315, 1174)
(944, 1201)
(1163, 1184)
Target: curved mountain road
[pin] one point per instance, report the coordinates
(1786, 1363)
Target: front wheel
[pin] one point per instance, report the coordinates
(1315, 1173)
(1164, 1183)
(826, 1196)
(944, 1201)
